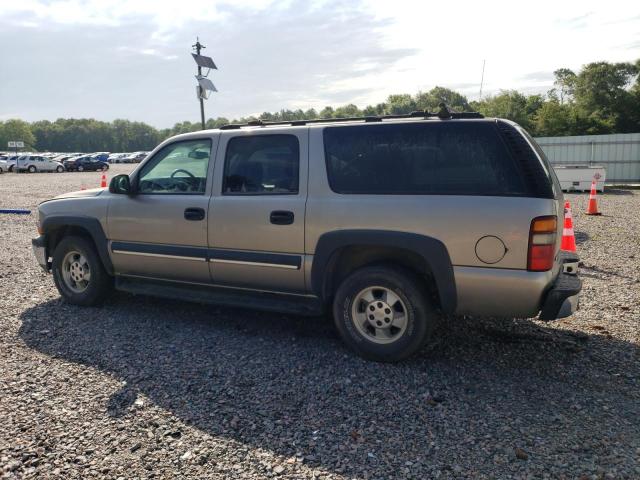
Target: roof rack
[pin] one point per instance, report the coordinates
(444, 113)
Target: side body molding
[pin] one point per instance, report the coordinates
(433, 252)
(90, 224)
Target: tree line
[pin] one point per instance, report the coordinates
(601, 98)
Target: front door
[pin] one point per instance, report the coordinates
(161, 231)
(256, 226)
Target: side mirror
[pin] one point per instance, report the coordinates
(120, 184)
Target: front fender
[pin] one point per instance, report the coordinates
(91, 225)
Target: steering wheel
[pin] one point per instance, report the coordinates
(182, 170)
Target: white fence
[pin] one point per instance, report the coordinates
(619, 154)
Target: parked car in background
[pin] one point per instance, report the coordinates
(139, 156)
(116, 157)
(126, 158)
(85, 163)
(38, 163)
(102, 156)
(64, 156)
(11, 162)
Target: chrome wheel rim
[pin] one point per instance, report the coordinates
(379, 315)
(76, 272)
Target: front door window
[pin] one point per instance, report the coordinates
(178, 168)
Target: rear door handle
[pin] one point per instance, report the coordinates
(281, 217)
(194, 214)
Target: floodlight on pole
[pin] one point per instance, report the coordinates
(204, 84)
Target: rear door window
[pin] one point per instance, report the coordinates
(262, 165)
(437, 158)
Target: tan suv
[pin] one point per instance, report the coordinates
(390, 222)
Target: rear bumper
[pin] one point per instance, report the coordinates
(562, 299)
(500, 292)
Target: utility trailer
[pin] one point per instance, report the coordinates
(579, 177)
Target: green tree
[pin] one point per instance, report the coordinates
(16, 130)
(431, 100)
(509, 104)
(554, 119)
(400, 104)
(326, 112)
(347, 111)
(565, 83)
(603, 94)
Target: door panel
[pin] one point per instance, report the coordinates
(256, 227)
(161, 231)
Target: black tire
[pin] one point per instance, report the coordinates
(100, 285)
(80, 168)
(421, 316)
(10, 168)
(32, 169)
(59, 169)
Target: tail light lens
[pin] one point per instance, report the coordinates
(542, 243)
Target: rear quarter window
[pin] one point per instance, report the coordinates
(438, 158)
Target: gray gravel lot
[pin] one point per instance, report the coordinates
(144, 388)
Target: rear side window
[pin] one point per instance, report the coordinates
(546, 165)
(443, 158)
(262, 165)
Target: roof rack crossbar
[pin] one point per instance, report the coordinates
(444, 113)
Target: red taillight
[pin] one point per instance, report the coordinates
(542, 242)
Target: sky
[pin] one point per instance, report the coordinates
(109, 59)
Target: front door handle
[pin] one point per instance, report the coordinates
(194, 214)
(281, 217)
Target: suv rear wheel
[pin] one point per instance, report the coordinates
(78, 272)
(32, 169)
(382, 314)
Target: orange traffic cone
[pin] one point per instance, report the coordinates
(103, 182)
(568, 236)
(593, 205)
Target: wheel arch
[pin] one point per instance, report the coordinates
(340, 252)
(59, 226)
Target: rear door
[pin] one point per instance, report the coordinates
(257, 211)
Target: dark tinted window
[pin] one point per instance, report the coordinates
(261, 165)
(447, 158)
(546, 165)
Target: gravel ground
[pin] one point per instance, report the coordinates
(144, 388)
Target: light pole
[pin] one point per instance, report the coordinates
(204, 84)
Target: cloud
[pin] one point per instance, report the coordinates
(538, 77)
(575, 22)
(288, 56)
(131, 59)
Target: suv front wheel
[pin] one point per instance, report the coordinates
(382, 313)
(78, 272)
